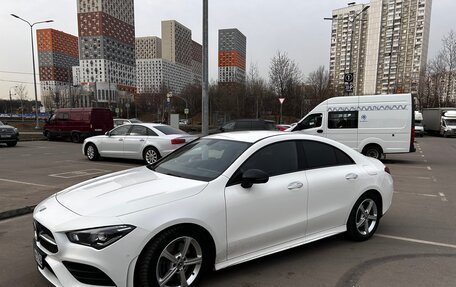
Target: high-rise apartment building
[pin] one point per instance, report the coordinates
(348, 46)
(385, 47)
(170, 63)
(107, 47)
(57, 54)
(176, 42)
(232, 56)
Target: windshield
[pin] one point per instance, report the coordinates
(167, 130)
(204, 159)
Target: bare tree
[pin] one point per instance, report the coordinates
(318, 84)
(283, 74)
(448, 54)
(285, 80)
(256, 89)
(21, 93)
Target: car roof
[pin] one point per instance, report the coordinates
(246, 136)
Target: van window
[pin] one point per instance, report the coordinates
(343, 120)
(62, 116)
(312, 121)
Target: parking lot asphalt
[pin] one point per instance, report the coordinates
(33, 170)
(415, 244)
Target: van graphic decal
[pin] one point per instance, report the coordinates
(369, 108)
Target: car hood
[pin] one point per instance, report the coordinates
(6, 127)
(127, 192)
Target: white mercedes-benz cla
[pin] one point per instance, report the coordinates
(218, 201)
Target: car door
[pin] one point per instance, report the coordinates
(312, 125)
(334, 181)
(134, 141)
(113, 144)
(271, 213)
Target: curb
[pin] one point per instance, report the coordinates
(16, 212)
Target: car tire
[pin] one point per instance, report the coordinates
(11, 144)
(91, 152)
(364, 218)
(373, 151)
(76, 137)
(176, 257)
(48, 135)
(151, 155)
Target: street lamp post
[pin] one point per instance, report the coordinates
(205, 88)
(33, 62)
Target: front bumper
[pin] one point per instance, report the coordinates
(71, 263)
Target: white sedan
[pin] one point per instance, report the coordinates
(145, 141)
(218, 201)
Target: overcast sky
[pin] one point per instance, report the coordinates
(292, 26)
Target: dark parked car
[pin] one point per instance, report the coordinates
(8, 134)
(245, 125)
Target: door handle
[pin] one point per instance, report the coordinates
(141, 140)
(320, 131)
(295, 185)
(351, 176)
(121, 140)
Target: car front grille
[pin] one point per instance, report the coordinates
(44, 237)
(88, 274)
(5, 131)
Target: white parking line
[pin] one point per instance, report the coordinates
(98, 163)
(429, 168)
(417, 241)
(79, 173)
(418, 194)
(442, 196)
(414, 177)
(23, 182)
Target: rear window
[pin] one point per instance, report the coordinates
(167, 130)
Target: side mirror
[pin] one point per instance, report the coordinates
(253, 176)
(108, 134)
(221, 129)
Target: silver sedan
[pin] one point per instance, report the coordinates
(145, 141)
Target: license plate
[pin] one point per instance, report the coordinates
(6, 136)
(39, 256)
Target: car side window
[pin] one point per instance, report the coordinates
(343, 120)
(243, 125)
(151, 133)
(320, 155)
(138, 131)
(228, 127)
(275, 159)
(120, 131)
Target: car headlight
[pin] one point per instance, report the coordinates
(101, 237)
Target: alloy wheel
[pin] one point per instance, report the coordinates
(180, 262)
(366, 216)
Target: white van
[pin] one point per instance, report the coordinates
(372, 125)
